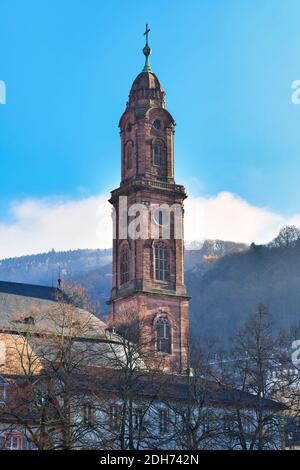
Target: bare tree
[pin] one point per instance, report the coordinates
(287, 237)
(249, 368)
(52, 347)
(288, 375)
(194, 419)
(138, 382)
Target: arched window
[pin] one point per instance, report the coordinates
(129, 157)
(157, 124)
(161, 262)
(124, 265)
(158, 153)
(163, 335)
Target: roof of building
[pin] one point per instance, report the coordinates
(166, 387)
(146, 92)
(146, 80)
(29, 290)
(36, 315)
(20, 302)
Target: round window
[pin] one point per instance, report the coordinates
(161, 217)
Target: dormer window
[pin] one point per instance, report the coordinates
(26, 320)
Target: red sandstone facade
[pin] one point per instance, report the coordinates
(148, 272)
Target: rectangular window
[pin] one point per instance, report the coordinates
(2, 393)
(206, 423)
(163, 421)
(115, 417)
(227, 424)
(13, 441)
(89, 415)
(28, 445)
(138, 418)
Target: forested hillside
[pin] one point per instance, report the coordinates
(92, 268)
(226, 280)
(227, 292)
(224, 295)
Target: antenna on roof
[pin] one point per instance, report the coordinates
(59, 278)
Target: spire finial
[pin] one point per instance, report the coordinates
(147, 51)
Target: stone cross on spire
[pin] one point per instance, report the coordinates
(147, 51)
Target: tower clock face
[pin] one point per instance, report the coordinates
(157, 124)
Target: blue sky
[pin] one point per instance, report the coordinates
(227, 69)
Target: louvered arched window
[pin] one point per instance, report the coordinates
(124, 265)
(159, 153)
(129, 157)
(163, 335)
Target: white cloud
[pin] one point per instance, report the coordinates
(40, 224)
(228, 217)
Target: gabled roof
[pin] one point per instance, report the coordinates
(22, 301)
(29, 290)
(165, 387)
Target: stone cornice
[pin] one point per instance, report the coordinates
(137, 184)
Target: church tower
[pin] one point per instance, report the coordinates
(148, 246)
